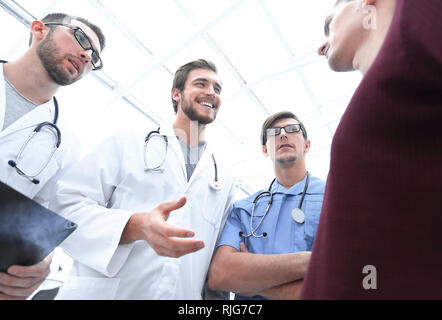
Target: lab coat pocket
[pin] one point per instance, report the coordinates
(88, 288)
(312, 213)
(213, 208)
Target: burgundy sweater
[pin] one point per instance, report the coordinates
(383, 200)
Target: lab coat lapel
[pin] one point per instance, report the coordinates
(2, 97)
(174, 145)
(203, 163)
(41, 113)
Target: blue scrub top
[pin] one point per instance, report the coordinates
(284, 235)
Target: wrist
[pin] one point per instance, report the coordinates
(131, 231)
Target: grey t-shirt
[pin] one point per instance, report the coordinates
(192, 156)
(16, 105)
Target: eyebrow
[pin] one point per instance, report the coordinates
(217, 84)
(328, 20)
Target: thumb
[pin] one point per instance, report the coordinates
(167, 207)
(242, 247)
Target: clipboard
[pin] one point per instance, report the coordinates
(29, 232)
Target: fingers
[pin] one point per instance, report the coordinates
(35, 271)
(242, 247)
(168, 230)
(175, 248)
(20, 281)
(167, 207)
(169, 245)
(167, 240)
(16, 288)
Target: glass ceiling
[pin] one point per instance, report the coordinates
(265, 51)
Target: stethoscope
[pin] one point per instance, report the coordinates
(158, 166)
(297, 214)
(37, 129)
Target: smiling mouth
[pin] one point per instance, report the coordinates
(207, 104)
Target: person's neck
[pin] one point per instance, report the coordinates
(375, 38)
(190, 132)
(29, 77)
(289, 176)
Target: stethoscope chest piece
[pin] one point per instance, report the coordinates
(298, 215)
(215, 185)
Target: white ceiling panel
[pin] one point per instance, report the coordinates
(265, 52)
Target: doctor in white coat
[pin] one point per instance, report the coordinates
(148, 231)
(27, 87)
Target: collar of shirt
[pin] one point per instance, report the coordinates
(294, 190)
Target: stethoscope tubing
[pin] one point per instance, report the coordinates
(213, 184)
(269, 204)
(37, 129)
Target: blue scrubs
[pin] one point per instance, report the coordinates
(283, 234)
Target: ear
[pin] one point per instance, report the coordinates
(176, 95)
(38, 30)
(307, 146)
(264, 150)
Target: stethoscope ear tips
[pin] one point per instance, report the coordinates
(264, 234)
(12, 163)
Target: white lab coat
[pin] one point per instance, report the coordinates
(100, 194)
(13, 138)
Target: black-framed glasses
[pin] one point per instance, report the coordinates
(290, 128)
(84, 42)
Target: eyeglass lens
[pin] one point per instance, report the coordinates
(290, 128)
(83, 40)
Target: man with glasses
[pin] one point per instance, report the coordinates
(267, 240)
(62, 50)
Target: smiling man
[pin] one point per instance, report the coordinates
(150, 205)
(62, 50)
(265, 247)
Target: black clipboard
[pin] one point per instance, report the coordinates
(28, 231)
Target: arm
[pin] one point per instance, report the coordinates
(20, 282)
(248, 272)
(83, 196)
(286, 291)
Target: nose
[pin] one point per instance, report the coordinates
(323, 48)
(85, 56)
(211, 91)
(283, 133)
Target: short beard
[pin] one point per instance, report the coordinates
(191, 114)
(48, 54)
(285, 163)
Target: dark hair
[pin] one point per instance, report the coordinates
(277, 116)
(65, 18)
(181, 75)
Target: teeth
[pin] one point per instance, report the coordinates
(207, 104)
